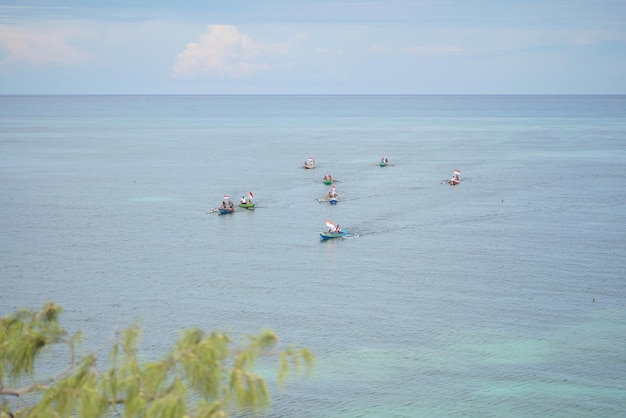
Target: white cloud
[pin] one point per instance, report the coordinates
(225, 52)
(39, 47)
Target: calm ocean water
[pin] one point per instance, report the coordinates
(503, 296)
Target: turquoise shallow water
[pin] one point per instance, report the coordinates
(503, 296)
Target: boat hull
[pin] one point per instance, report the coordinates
(226, 211)
(248, 206)
(326, 181)
(330, 235)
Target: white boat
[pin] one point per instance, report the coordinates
(309, 163)
(455, 179)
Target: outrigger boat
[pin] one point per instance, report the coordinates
(334, 231)
(456, 179)
(309, 163)
(330, 235)
(226, 207)
(246, 202)
(331, 198)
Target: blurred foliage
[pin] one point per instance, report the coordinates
(204, 374)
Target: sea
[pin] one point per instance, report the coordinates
(503, 296)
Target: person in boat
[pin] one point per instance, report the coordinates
(332, 195)
(230, 204)
(223, 205)
(328, 177)
(243, 200)
(337, 229)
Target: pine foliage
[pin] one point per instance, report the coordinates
(204, 374)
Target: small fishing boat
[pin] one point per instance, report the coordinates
(456, 179)
(330, 235)
(309, 163)
(226, 207)
(334, 231)
(246, 202)
(383, 162)
(332, 197)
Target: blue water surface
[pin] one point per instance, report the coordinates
(502, 296)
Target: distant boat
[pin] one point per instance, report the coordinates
(226, 207)
(456, 178)
(328, 179)
(309, 163)
(332, 197)
(334, 231)
(383, 162)
(247, 203)
(331, 235)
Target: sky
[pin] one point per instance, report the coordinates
(313, 47)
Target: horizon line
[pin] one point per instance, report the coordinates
(309, 94)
